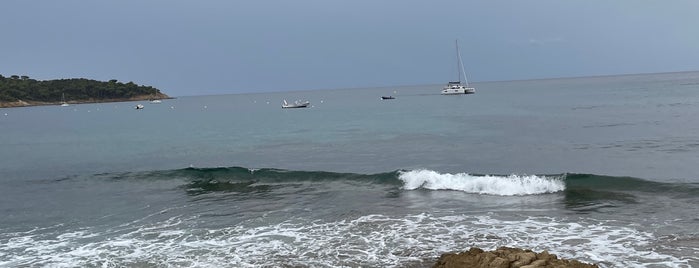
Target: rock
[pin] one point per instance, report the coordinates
(535, 264)
(522, 258)
(505, 257)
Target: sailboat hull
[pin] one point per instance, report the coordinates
(458, 91)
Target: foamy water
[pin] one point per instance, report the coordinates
(369, 241)
(492, 185)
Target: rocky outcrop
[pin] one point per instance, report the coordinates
(505, 257)
(18, 103)
(21, 103)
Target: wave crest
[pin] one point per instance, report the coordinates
(486, 184)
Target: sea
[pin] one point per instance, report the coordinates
(601, 169)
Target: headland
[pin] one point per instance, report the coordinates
(20, 91)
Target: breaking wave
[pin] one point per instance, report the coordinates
(579, 187)
(486, 184)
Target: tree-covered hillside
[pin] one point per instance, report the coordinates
(22, 88)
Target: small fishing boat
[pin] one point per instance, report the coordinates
(296, 104)
(139, 106)
(387, 97)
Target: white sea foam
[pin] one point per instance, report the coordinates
(364, 241)
(492, 185)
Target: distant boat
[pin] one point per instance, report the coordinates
(296, 104)
(456, 87)
(156, 101)
(139, 106)
(387, 97)
(63, 100)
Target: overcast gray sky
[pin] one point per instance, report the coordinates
(187, 47)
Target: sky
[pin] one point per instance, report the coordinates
(204, 47)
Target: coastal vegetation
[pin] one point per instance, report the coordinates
(23, 91)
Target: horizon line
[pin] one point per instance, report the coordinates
(430, 84)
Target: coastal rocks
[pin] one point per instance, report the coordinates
(505, 257)
(18, 103)
(22, 103)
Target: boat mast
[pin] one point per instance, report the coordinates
(458, 60)
(461, 64)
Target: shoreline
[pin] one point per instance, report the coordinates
(21, 103)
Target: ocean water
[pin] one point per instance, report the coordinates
(600, 169)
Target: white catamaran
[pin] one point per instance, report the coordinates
(453, 88)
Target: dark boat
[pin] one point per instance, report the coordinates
(387, 97)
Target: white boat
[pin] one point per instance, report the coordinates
(139, 106)
(156, 101)
(296, 104)
(63, 101)
(456, 87)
